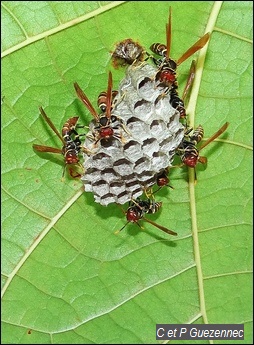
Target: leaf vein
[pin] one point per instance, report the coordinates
(227, 274)
(39, 239)
(16, 20)
(233, 34)
(61, 27)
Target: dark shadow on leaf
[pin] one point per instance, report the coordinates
(134, 230)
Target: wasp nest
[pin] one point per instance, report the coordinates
(147, 133)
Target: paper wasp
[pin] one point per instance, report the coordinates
(138, 208)
(69, 138)
(166, 75)
(106, 123)
(188, 151)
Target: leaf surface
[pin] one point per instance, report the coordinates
(66, 277)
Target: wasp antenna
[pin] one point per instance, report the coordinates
(140, 226)
(62, 179)
(117, 231)
(195, 177)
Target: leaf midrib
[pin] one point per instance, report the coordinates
(59, 28)
(191, 116)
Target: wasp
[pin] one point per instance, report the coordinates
(138, 208)
(104, 128)
(175, 100)
(69, 138)
(166, 75)
(127, 52)
(188, 151)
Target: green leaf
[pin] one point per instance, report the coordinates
(66, 277)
